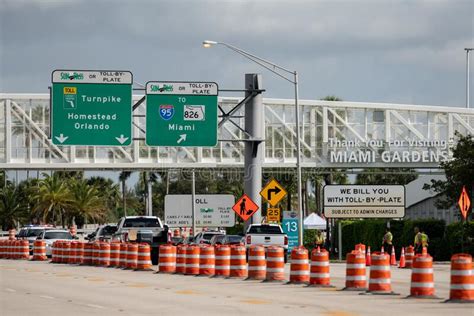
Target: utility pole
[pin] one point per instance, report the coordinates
(254, 126)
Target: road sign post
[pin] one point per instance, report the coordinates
(182, 114)
(91, 108)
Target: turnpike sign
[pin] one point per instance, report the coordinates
(182, 114)
(212, 210)
(91, 108)
(364, 201)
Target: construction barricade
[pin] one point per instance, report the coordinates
(319, 269)
(422, 280)
(39, 250)
(299, 269)
(222, 254)
(95, 253)
(380, 275)
(207, 261)
(66, 249)
(257, 268)
(409, 255)
(180, 259)
(144, 257)
(167, 259)
(114, 254)
(72, 252)
(79, 252)
(275, 264)
(462, 279)
(2, 249)
(132, 256)
(191, 260)
(87, 257)
(24, 250)
(104, 254)
(123, 255)
(238, 262)
(356, 279)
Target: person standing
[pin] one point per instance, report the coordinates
(424, 239)
(387, 241)
(417, 242)
(319, 240)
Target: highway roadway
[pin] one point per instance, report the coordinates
(41, 288)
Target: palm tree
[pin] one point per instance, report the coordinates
(53, 198)
(124, 175)
(87, 201)
(12, 206)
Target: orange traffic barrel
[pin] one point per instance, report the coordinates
(72, 252)
(462, 279)
(356, 279)
(39, 250)
(144, 257)
(180, 259)
(2, 249)
(319, 274)
(87, 257)
(11, 234)
(79, 252)
(380, 275)
(11, 249)
(238, 262)
(123, 255)
(66, 250)
(167, 259)
(191, 264)
(207, 261)
(54, 252)
(104, 254)
(275, 264)
(299, 269)
(360, 247)
(132, 256)
(257, 264)
(222, 253)
(114, 254)
(409, 255)
(16, 249)
(95, 253)
(422, 280)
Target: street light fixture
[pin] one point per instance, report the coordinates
(467, 75)
(279, 71)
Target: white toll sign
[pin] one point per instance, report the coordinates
(211, 210)
(364, 201)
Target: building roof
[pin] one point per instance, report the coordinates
(414, 190)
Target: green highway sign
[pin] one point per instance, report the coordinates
(181, 114)
(91, 108)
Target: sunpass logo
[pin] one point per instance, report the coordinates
(156, 88)
(73, 76)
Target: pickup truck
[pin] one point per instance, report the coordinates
(266, 235)
(148, 229)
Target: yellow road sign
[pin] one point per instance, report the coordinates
(273, 192)
(273, 214)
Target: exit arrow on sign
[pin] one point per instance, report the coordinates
(61, 138)
(121, 139)
(275, 190)
(181, 138)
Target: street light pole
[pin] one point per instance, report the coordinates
(468, 50)
(277, 70)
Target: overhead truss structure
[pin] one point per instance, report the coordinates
(25, 135)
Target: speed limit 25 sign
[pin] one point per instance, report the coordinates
(181, 114)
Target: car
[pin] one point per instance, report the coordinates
(50, 236)
(30, 233)
(205, 237)
(266, 235)
(103, 233)
(227, 240)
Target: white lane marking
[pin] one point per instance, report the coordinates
(94, 306)
(10, 290)
(47, 296)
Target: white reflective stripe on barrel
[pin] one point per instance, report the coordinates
(319, 263)
(461, 272)
(380, 268)
(299, 261)
(379, 281)
(422, 284)
(319, 275)
(422, 270)
(462, 286)
(356, 278)
(256, 257)
(257, 268)
(355, 265)
(300, 272)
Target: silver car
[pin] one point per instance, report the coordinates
(50, 236)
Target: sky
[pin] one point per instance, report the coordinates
(367, 51)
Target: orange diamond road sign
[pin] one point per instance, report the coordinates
(273, 192)
(273, 215)
(464, 202)
(245, 207)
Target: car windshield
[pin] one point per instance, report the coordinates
(23, 232)
(234, 239)
(141, 222)
(34, 232)
(57, 235)
(265, 229)
(108, 230)
(208, 236)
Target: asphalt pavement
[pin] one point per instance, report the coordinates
(41, 288)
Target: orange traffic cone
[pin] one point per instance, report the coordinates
(368, 259)
(402, 259)
(382, 250)
(393, 259)
(318, 250)
(424, 251)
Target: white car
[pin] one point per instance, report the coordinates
(50, 236)
(30, 233)
(205, 237)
